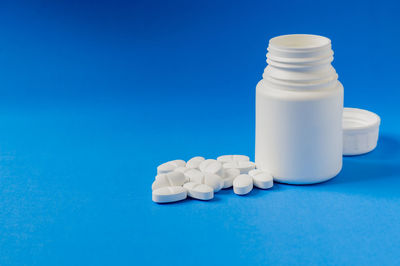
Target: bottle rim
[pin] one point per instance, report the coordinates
(299, 42)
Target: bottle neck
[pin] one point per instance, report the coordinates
(300, 62)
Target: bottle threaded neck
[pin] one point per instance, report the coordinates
(300, 61)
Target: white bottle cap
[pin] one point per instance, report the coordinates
(360, 131)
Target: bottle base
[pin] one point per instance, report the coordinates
(305, 181)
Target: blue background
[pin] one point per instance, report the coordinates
(95, 94)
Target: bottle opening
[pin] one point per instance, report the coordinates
(299, 41)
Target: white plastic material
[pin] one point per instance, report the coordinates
(299, 106)
(360, 131)
(169, 194)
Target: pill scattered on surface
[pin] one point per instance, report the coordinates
(243, 166)
(194, 175)
(183, 170)
(170, 166)
(168, 180)
(169, 194)
(199, 191)
(201, 178)
(210, 179)
(242, 184)
(211, 166)
(213, 181)
(195, 162)
(233, 158)
(261, 179)
(229, 175)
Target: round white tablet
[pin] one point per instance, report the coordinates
(170, 166)
(232, 158)
(242, 184)
(211, 166)
(261, 179)
(195, 162)
(199, 191)
(229, 175)
(168, 180)
(243, 166)
(169, 194)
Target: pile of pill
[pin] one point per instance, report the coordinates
(199, 178)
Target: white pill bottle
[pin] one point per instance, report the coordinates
(299, 105)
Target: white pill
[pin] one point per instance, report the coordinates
(261, 179)
(242, 184)
(168, 180)
(211, 166)
(199, 191)
(169, 194)
(214, 181)
(195, 162)
(170, 166)
(183, 170)
(209, 179)
(232, 158)
(228, 176)
(243, 166)
(191, 175)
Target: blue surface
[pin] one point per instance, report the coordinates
(93, 96)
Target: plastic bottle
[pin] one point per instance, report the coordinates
(299, 105)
